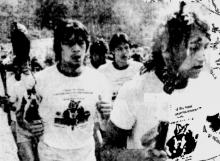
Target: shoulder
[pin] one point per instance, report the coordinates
(46, 76)
(135, 63)
(140, 84)
(105, 67)
(93, 71)
(133, 87)
(94, 74)
(47, 72)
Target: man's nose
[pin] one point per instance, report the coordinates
(201, 56)
(125, 51)
(75, 48)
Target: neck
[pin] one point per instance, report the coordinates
(120, 66)
(69, 71)
(94, 64)
(171, 79)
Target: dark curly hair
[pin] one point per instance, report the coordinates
(166, 57)
(20, 43)
(99, 47)
(117, 39)
(68, 32)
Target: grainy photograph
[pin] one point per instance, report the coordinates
(101, 80)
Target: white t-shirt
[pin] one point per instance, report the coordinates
(118, 77)
(8, 148)
(89, 64)
(142, 103)
(19, 90)
(15, 88)
(81, 94)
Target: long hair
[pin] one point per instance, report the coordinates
(169, 37)
(20, 43)
(21, 48)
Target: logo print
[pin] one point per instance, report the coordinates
(183, 142)
(73, 115)
(214, 121)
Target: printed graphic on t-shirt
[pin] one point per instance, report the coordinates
(213, 127)
(214, 121)
(73, 115)
(182, 142)
(114, 95)
(184, 129)
(121, 80)
(117, 84)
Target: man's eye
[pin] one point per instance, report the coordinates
(126, 47)
(119, 49)
(193, 49)
(81, 42)
(206, 46)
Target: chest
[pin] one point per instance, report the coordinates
(73, 96)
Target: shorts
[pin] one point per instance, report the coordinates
(47, 153)
(22, 135)
(13, 130)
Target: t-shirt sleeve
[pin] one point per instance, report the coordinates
(18, 90)
(16, 94)
(104, 95)
(122, 114)
(106, 88)
(12, 87)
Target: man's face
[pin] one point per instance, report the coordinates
(73, 56)
(98, 59)
(122, 54)
(195, 56)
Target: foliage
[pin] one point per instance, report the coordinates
(49, 12)
(103, 18)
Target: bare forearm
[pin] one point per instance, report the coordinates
(114, 136)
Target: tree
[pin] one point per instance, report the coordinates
(6, 17)
(49, 13)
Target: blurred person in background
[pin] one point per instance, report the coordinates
(8, 148)
(49, 61)
(122, 68)
(98, 51)
(137, 53)
(24, 132)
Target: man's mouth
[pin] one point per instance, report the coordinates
(198, 67)
(124, 57)
(76, 58)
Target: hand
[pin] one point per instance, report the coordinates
(3, 102)
(104, 108)
(156, 155)
(6, 104)
(34, 125)
(36, 128)
(139, 155)
(148, 140)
